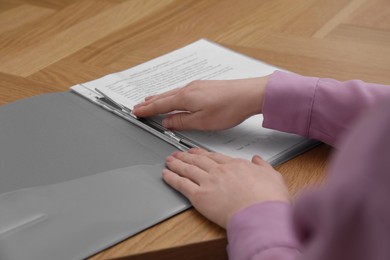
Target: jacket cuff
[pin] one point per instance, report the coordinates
(260, 228)
(286, 107)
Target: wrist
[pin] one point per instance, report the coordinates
(257, 94)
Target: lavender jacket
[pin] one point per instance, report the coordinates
(349, 216)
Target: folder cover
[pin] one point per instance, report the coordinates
(76, 179)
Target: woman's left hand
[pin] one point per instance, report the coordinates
(218, 186)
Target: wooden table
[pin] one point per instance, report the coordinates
(49, 45)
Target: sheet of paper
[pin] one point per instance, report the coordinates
(201, 60)
(248, 139)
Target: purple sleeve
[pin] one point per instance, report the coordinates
(263, 231)
(349, 217)
(316, 108)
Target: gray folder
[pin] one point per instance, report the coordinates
(76, 179)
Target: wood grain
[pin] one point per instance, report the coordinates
(49, 45)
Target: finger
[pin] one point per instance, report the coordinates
(181, 184)
(256, 159)
(184, 169)
(152, 98)
(197, 150)
(183, 121)
(217, 157)
(149, 97)
(200, 161)
(159, 106)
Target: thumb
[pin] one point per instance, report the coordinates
(256, 159)
(180, 121)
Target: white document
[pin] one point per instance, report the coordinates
(199, 60)
(202, 60)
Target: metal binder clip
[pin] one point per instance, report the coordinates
(151, 126)
(115, 104)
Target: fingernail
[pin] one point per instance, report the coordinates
(170, 158)
(140, 104)
(175, 153)
(194, 150)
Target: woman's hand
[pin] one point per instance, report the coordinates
(218, 186)
(207, 104)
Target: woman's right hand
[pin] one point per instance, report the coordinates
(219, 186)
(207, 105)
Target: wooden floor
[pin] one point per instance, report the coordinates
(50, 45)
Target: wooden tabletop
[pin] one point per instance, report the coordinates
(50, 45)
